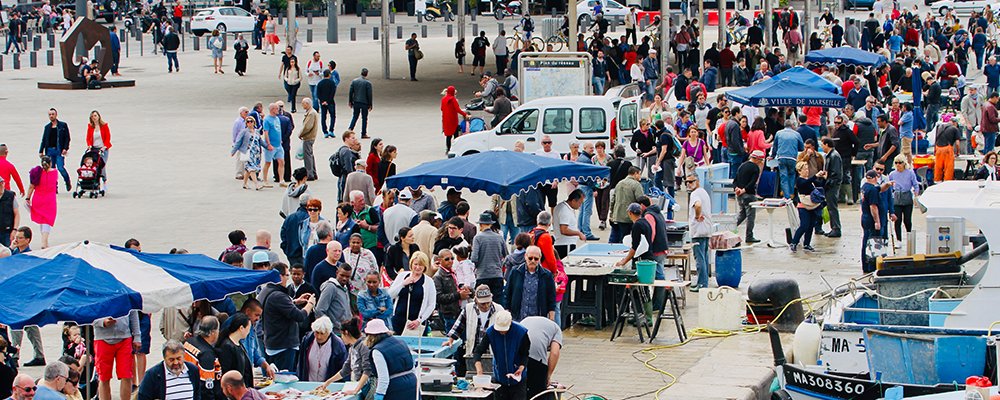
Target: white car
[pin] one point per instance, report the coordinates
(961, 7)
(611, 9)
(225, 19)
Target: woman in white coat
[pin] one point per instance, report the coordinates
(415, 297)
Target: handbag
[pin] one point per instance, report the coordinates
(902, 198)
(245, 156)
(418, 54)
(818, 195)
(877, 247)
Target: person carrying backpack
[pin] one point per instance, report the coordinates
(342, 162)
(479, 45)
(541, 237)
(670, 149)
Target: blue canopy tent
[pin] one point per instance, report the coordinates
(777, 92)
(84, 281)
(803, 75)
(505, 173)
(846, 55)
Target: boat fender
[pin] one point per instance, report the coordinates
(805, 343)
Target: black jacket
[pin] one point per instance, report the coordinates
(834, 167)
(154, 383)
(447, 294)
(848, 143)
(325, 90)
(280, 318)
(338, 355)
(232, 356)
(746, 177)
(62, 138)
(513, 292)
(171, 42)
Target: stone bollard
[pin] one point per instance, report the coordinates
(473, 15)
(553, 12)
(499, 27)
(33, 59)
(52, 40)
(450, 28)
(475, 30)
(399, 32)
(280, 19)
(392, 18)
(1, 62)
(364, 18)
(50, 57)
(141, 45)
(354, 34)
(309, 35)
(423, 31)
(197, 44)
(374, 33)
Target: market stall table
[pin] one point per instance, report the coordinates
(971, 161)
(273, 391)
(631, 305)
(430, 346)
(771, 205)
(587, 268)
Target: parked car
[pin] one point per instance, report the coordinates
(961, 7)
(103, 9)
(225, 19)
(850, 4)
(564, 118)
(612, 10)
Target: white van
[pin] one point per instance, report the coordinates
(564, 119)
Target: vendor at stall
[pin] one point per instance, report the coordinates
(510, 345)
(358, 366)
(481, 315)
(321, 353)
(546, 343)
(393, 363)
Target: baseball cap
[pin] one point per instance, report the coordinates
(757, 154)
(405, 194)
(871, 174)
(483, 294)
(503, 321)
(261, 257)
(359, 163)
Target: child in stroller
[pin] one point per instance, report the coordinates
(90, 175)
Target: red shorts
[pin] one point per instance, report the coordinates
(118, 355)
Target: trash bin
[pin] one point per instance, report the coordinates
(728, 267)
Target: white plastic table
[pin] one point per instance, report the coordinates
(772, 205)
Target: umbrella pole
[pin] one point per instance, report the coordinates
(88, 369)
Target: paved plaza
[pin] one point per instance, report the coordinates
(171, 186)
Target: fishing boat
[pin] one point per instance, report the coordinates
(923, 322)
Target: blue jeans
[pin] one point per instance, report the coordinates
(172, 61)
(284, 360)
(508, 228)
(329, 109)
(735, 160)
(618, 231)
(786, 169)
(991, 141)
(448, 323)
(598, 83)
(312, 89)
(807, 222)
(58, 161)
(12, 40)
(701, 260)
(586, 210)
(932, 114)
(360, 109)
(979, 58)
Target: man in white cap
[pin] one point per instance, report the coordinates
(398, 216)
(510, 345)
(745, 185)
(361, 181)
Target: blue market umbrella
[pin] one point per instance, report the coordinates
(84, 281)
(918, 112)
(784, 93)
(505, 173)
(804, 76)
(846, 55)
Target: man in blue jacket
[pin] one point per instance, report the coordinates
(290, 243)
(509, 343)
(992, 72)
(181, 376)
(530, 291)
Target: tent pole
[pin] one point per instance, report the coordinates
(87, 370)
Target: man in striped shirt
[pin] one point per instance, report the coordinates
(173, 379)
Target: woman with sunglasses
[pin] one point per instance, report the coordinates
(988, 171)
(904, 187)
(248, 145)
(809, 211)
(307, 230)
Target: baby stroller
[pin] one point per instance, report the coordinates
(89, 177)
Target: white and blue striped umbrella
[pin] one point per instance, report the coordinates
(84, 281)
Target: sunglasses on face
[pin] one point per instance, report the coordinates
(879, 169)
(312, 209)
(447, 258)
(899, 162)
(533, 258)
(690, 182)
(28, 388)
(546, 142)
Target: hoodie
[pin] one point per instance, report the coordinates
(290, 202)
(450, 110)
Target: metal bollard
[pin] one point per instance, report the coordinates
(473, 15)
(374, 33)
(50, 57)
(309, 35)
(184, 39)
(33, 59)
(354, 34)
(309, 19)
(399, 32)
(197, 44)
(225, 42)
(52, 40)
(423, 31)
(614, 26)
(392, 18)
(475, 30)
(553, 12)
(499, 27)
(450, 30)
(280, 18)
(364, 18)
(17, 60)
(1, 62)
(36, 43)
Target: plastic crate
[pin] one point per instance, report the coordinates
(623, 276)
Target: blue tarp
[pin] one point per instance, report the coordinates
(82, 282)
(505, 173)
(784, 93)
(804, 76)
(846, 55)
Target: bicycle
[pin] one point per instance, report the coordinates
(515, 41)
(557, 41)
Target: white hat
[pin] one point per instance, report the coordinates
(405, 194)
(503, 321)
(376, 327)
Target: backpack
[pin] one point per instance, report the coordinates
(677, 146)
(535, 235)
(336, 164)
(529, 25)
(793, 48)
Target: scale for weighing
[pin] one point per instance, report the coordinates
(436, 374)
